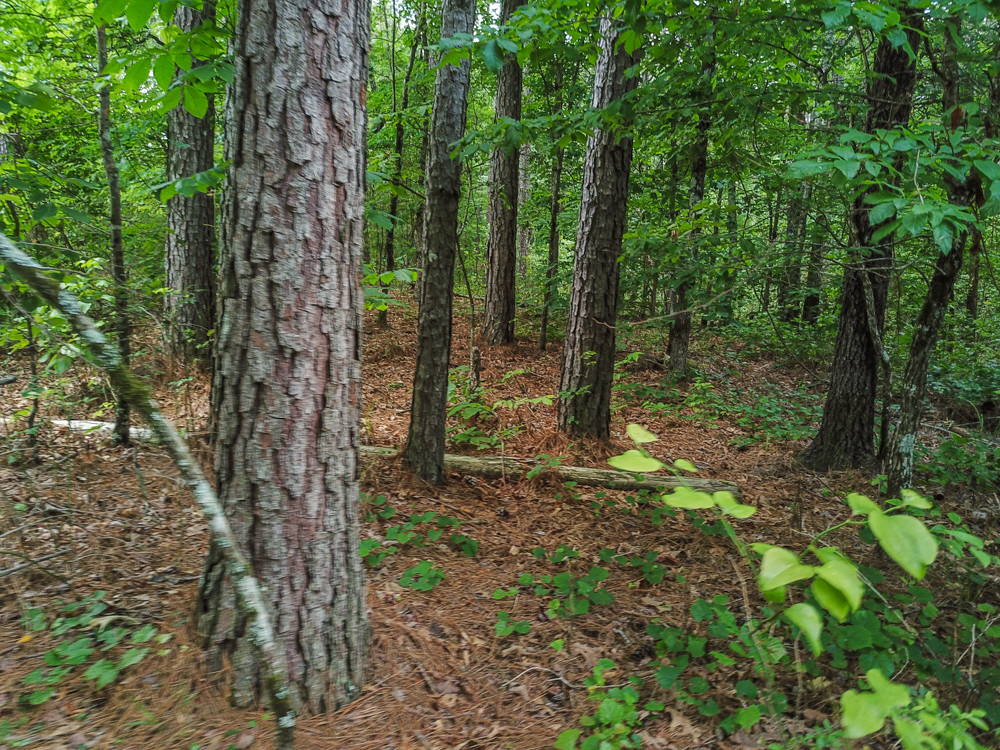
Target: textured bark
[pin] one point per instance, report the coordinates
(972, 294)
(814, 279)
(962, 193)
(846, 434)
(101, 353)
(424, 454)
(288, 363)
(190, 252)
(555, 208)
(523, 228)
(501, 215)
(589, 350)
(789, 294)
(680, 324)
(496, 467)
(123, 327)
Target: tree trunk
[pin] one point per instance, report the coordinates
(814, 279)
(680, 325)
(589, 351)
(397, 175)
(899, 456)
(123, 328)
(287, 387)
(424, 454)
(190, 252)
(846, 434)
(523, 229)
(501, 216)
(555, 207)
(972, 295)
(789, 293)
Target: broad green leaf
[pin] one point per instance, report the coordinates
(195, 101)
(906, 540)
(684, 465)
(132, 656)
(861, 713)
(137, 74)
(138, 13)
(807, 619)
(567, 739)
(843, 576)
(761, 547)
(776, 595)
(103, 671)
(798, 170)
(912, 736)
(163, 71)
(891, 694)
(830, 599)
(611, 711)
(740, 511)
(913, 499)
(860, 505)
(635, 462)
(640, 435)
(881, 212)
(493, 56)
(684, 497)
(45, 211)
(826, 554)
(779, 567)
(170, 100)
(109, 10)
(989, 169)
(724, 499)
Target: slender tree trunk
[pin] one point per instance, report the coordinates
(972, 295)
(814, 280)
(397, 175)
(523, 228)
(735, 253)
(287, 387)
(123, 328)
(846, 434)
(424, 454)
(789, 294)
(190, 251)
(680, 325)
(589, 351)
(899, 456)
(501, 242)
(555, 208)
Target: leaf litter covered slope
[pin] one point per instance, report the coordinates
(441, 678)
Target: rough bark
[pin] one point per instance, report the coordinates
(248, 592)
(962, 193)
(501, 215)
(789, 292)
(589, 350)
(524, 232)
(814, 279)
(498, 467)
(555, 208)
(288, 363)
(424, 454)
(190, 251)
(972, 294)
(846, 434)
(123, 328)
(679, 341)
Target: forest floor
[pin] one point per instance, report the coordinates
(440, 676)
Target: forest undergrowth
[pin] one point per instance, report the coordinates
(469, 650)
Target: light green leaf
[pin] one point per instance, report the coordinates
(912, 736)
(102, 671)
(779, 567)
(139, 12)
(761, 547)
(776, 595)
(724, 499)
(891, 694)
(913, 499)
(798, 170)
(635, 462)
(826, 554)
(684, 465)
(740, 511)
(195, 101)
(567, 739)
(684, 497)
(807, 619)
(860, 505)
(843, 576)
(163, 71)
(830, 599)
(109, 10)
(132, 656)
(640, 435)
(906, 540)
(861, 714)
(137, 74)
(493, 56)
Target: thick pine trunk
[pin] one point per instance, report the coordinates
(287, 387)
(501, 215)
(846, 434)
(190, 251)
(589, 351)
(123, 326)
(424, 454)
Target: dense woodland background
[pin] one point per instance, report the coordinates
(764, 232)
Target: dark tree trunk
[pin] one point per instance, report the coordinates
(589, 351)
(733, 230)
(680, 325)
(899, 455)
(846, 434)
(287, 389)
(397, 174)
(123, 327)
(789, 294)
(555, 207)
(424, 454)
(190, 251)
(501, 216)
(814, 280)
(972, 295)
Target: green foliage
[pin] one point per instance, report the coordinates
(422, 577)
(397, 537)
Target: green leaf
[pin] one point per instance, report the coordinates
(891, 694)
(912, 736)
(881, 212)
(843, 576)
(989, 169)
(137, 74)
(761, 547)
(779, 567)
(748, 716)
(103, 671)
(493, 56)
(132, 656)
(109, 10)
(799, 170)
(913, 499)
(640, 435)
(195, 101)
(906, 540)
(567, 739)
(611, 711)
(685, 465)
(861, 714)
(830, 599)
(684, 497)
(635, 462)
(170, 100)
(138, 13)
(807, 619)
(860, 505)
(163, 71)
(45, 211)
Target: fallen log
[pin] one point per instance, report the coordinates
(496, 467)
